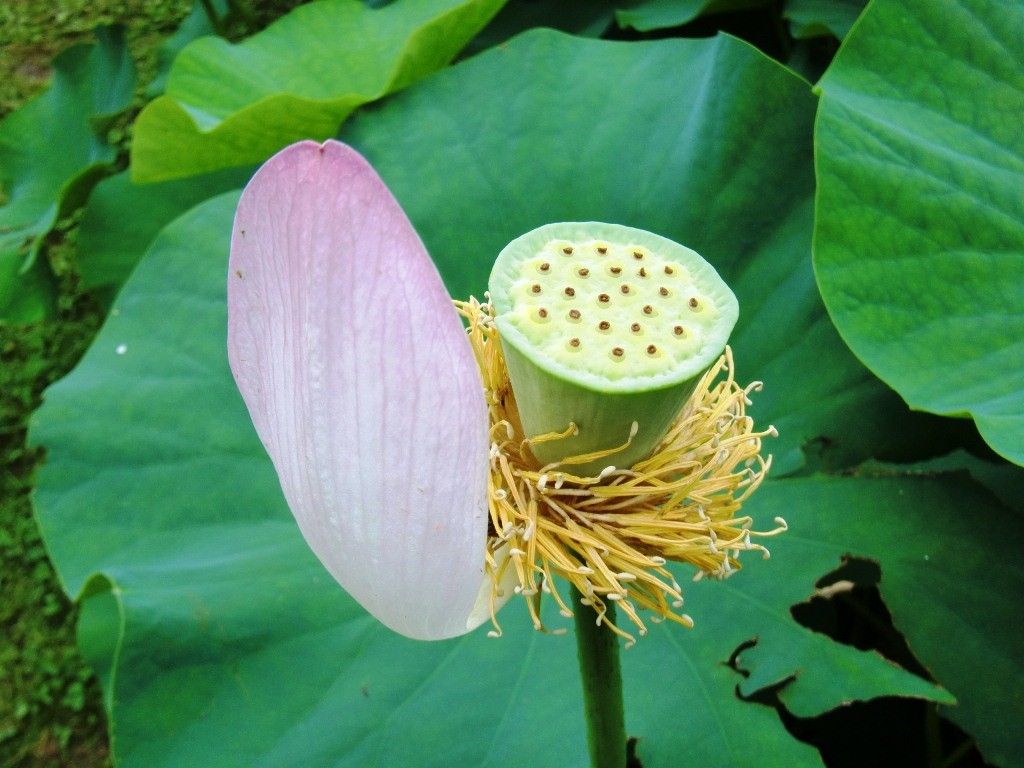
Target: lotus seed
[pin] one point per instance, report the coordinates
(625, 289)
(663, 291)
(635, 327)
(535, 288)
(648, 309)
(574, 314)
(567, 250)
(570, 291)
(604, 298)
(604, 325)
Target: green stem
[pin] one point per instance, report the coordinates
(598, 650)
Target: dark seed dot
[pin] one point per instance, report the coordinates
(535, 288)
(624, 289)
(648, 309)
(238, 272)
(643, 272)
(651, 349)
(694, 303)
(567, 250)
(637, 255)
(542, 312)
(618, 351)
(615, 270)
(574, 342)
(679, 331)
(583, 272)
(604, 298)
(663, 291)
(635, 327)
(668, 270)
(545, 267)
(602, 249)
(570, 291)
(575, 314)
(604, 325)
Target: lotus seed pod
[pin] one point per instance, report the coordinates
(602, 326)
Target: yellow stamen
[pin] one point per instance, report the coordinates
(611, 535)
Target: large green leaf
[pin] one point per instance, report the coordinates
(52, 151)
(650, 15)
(951, 577)
(919, 244)
(586, 18)
(200, 22)
(121, 219)
(815, 18)
(222, 642)
(228, 105)
(1004, 480)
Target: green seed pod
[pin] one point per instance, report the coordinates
(604, 325)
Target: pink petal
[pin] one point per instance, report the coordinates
(362, 385)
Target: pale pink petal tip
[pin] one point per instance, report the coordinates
(362, 386)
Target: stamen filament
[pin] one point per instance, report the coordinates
(610, 535)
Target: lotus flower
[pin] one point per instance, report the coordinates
(397, 437)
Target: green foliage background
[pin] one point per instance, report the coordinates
(883, 628)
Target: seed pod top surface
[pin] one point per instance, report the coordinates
(612, 308)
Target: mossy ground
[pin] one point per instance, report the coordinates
(50, 711)
(33, 31)
(50, 707)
